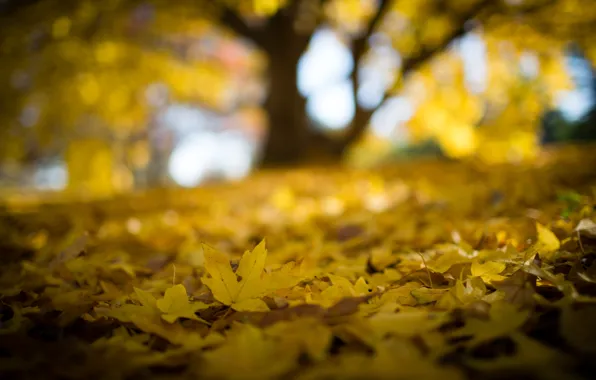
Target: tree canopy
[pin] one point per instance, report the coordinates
(104, 69)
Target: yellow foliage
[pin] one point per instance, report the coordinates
(351, 15)
(89, 89)
(175, 305)
(242, 289)
(458, 140)
(342, 292)
(90, 163)
(488, 271)
(94, 69)
(267, 7)
(107, 52)
(436, 28)
(547, 243)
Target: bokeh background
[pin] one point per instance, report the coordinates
(99, 98)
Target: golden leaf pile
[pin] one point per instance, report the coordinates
(429, 270)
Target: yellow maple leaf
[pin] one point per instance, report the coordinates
(343, 285)
(241, 290)
(488, 270)
(175, 305)
(340, 288)
(548, 243)
(446, 260)
(463, 293)
(172, 306)
(151, 314)
(286, 276)
(427, 295)
(145, 298)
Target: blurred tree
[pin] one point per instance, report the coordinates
(586, 128)
(90, 63)
(421, 31)
(555, 127)
(84, 80)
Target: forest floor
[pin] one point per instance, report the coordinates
(419, 270)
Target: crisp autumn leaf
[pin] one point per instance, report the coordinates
(175, 305)
(340, 288)
(243, 293)
(519, 288)
(488, 270)
(547, 243)
(463, 293)
(241, 289)
(426, 305)
(427, 295)
(586, 227)
(285, 277)
(446, 260)
(145, 298)
(172, 306)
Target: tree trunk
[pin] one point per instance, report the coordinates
(287, 136)
(287, 139)
(290, 138)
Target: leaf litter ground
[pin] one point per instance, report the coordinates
(423, 270)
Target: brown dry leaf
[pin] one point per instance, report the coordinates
(586, 227)
(519, 288)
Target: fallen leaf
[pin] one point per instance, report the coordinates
(519, 288)
(175, 305)
(548, 243)
(504, 319)
(488, 270)
(586, 227)
(241, 290)
(447, 260)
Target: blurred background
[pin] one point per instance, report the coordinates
(99, 98)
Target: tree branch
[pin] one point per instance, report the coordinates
(362, 116)
(359, 45)
(548, 26)
(234, 21)
(414, 62)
